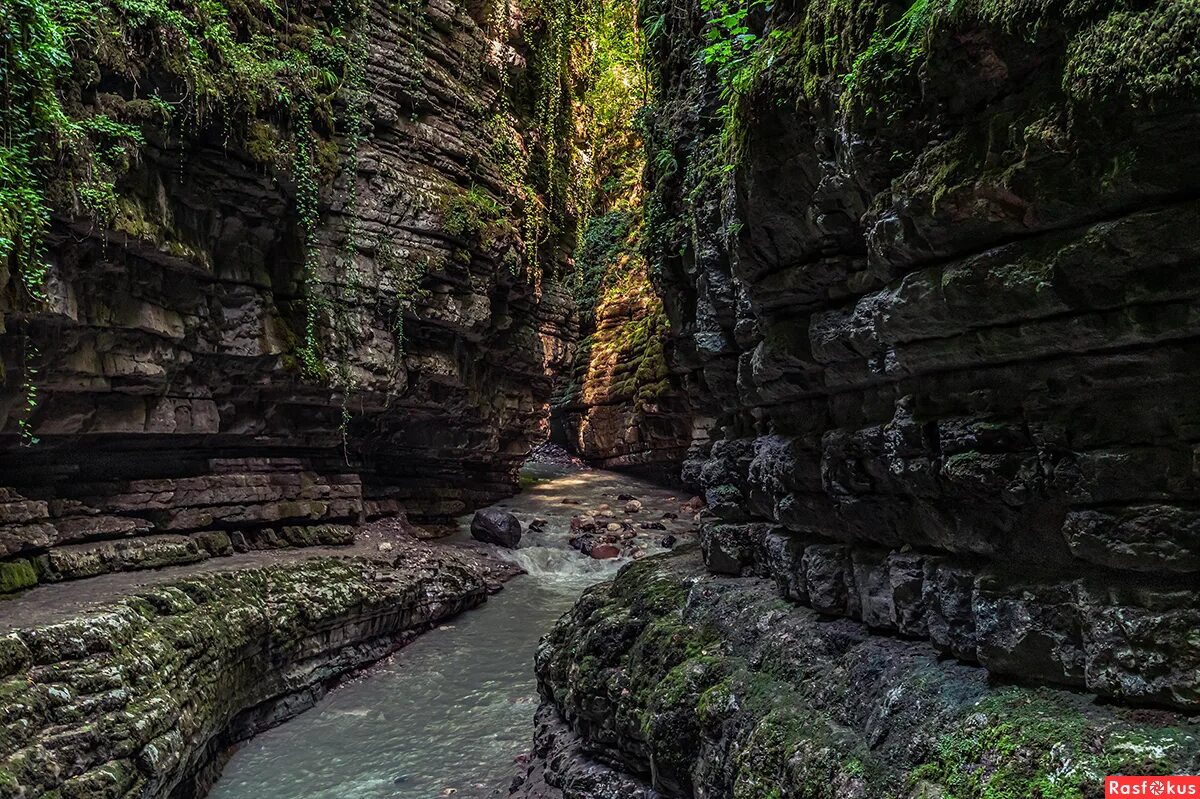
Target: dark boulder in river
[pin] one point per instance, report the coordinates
(497, 527)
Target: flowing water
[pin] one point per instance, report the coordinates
(448, 714)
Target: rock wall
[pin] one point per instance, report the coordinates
(145, 696)
(621, 406)
(933, 270)
(174, 394)
(711, 686)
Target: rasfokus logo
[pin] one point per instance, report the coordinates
(1152, 786)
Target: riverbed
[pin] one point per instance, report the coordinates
(449, 714)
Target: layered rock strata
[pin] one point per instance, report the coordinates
(143, 697)
(621, 407)
(172, 395)
(933, 271)
(711, 686)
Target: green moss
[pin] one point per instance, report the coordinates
(1021, 744)
(16, 575)
(1145, 55)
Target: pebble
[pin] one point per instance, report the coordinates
(386, 546)
(633, 506)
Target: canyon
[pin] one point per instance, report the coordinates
(903, 292)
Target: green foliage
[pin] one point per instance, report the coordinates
(606, 240)
(590, 84)
(267, 73)
(735, 54)
(1020, 745)
(1146, 54)
(475, 216)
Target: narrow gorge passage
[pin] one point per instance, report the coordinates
(904, 295)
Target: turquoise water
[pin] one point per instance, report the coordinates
(446, 714)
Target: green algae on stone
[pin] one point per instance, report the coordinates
(142, 688)
(16, 575)
(735, 694)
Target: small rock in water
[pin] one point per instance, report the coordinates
(386, 546)
(652, 526)
(624, 497)
(669, 515)
(583, 524)
(537, 526)
(613, 527)
(498, 527)
(569, 501)
(633, 506)
(603, 506)
(605, 552)
(449, 791)
(668, 541)
(694, 504)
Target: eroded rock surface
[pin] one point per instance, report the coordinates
(697, 685)
(173, 396)
(934, 277)
(142, 696)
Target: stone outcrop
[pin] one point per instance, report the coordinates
(710, 686)
(933, 275)
(172, 396)
(144, 696)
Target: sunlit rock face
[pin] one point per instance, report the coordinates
(174, 392)
(941, 309)
(621, 406)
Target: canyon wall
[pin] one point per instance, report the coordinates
(273, 325)
(941, 309)
(621, 405)
(931, 274)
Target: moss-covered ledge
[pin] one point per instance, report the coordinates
(708, 686)
(142, 697)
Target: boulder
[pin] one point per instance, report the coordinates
(499, 527)
(605, 552)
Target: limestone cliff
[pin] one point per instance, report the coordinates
(319, 284)
(934, 268)
(931, 272)
(619, 403)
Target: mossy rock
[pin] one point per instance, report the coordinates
(17, 575)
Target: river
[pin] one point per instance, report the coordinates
(447, 715)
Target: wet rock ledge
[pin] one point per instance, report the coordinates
(668, 683)
(144, 696)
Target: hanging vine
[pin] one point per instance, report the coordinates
(259, 72)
